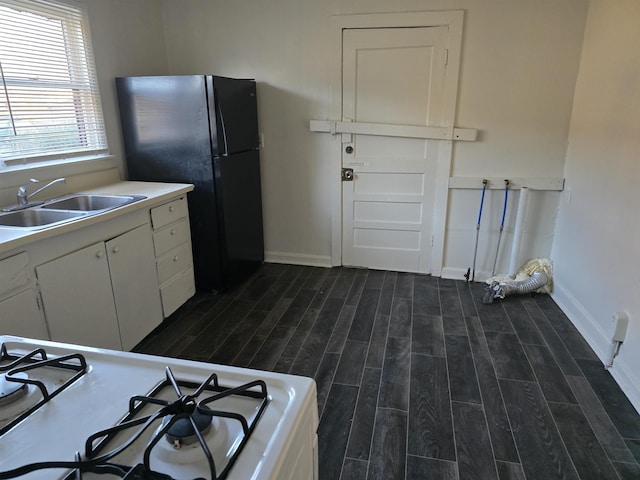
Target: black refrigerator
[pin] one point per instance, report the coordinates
(201, 129)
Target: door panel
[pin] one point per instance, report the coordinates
(391, 76)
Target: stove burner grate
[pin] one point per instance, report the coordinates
(181, 409)
(14, 371)
(180, 420)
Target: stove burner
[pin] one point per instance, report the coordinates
(181, 432)
(12, 391)
(29, 380)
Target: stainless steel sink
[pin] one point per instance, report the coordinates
(91, 203)
(64, 209)
(37, 218)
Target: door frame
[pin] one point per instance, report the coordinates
(454, 21)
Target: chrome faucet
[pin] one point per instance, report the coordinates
(23, 196)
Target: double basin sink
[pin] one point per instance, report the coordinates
(64, 209)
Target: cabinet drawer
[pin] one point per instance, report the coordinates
(174, 262)
(13, 272)
(171, 236)
(169, 212)
(177, 291)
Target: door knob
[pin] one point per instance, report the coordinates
(347, 174)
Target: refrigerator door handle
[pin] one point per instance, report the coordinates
(224, 132)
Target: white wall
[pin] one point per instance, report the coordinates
(519, 64)
(597, 247)
(128, 39)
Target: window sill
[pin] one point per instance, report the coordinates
(16, 174)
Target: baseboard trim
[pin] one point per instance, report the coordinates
(598, 340)
(454, 273)
(298, 259)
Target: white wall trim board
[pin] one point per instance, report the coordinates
(454, 273)
(599, 341)
(582, 319)
(497, 183)
(298, 259)
(392, 130)
(454, 21)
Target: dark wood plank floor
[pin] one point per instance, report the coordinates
(417, 379)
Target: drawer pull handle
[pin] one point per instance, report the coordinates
(100, 254)
(175, 259)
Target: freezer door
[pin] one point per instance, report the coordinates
(234, 127)
(165, 125)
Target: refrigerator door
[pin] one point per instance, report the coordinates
(238, 195)
(234, 127)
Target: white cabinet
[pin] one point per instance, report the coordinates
(104, 295)
(19, 310)
(104, 281)
(135, 287)
(174, 259)
(78, 300)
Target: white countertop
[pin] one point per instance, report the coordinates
(156, 193)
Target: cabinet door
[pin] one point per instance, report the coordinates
(20, 315)
(135, 284)
(78, 300)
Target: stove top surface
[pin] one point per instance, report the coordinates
(99, 399)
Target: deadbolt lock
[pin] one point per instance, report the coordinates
(347, 174)
(349, 149)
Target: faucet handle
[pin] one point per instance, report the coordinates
(31, 180)
(23, 188)
(22, 192)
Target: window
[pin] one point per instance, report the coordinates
(49, 99)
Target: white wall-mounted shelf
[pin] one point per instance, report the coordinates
(389, 130)
(497, 183)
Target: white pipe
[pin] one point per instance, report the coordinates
(523, 201)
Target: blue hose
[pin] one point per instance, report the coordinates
(506, 196)
(484, 188)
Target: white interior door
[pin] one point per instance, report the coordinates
(391, 76)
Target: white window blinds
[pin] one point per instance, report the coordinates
(49, 99)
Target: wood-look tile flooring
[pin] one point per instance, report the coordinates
(417, 379)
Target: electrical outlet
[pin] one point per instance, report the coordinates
(620, 321)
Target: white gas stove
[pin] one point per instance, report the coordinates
(73, 412)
